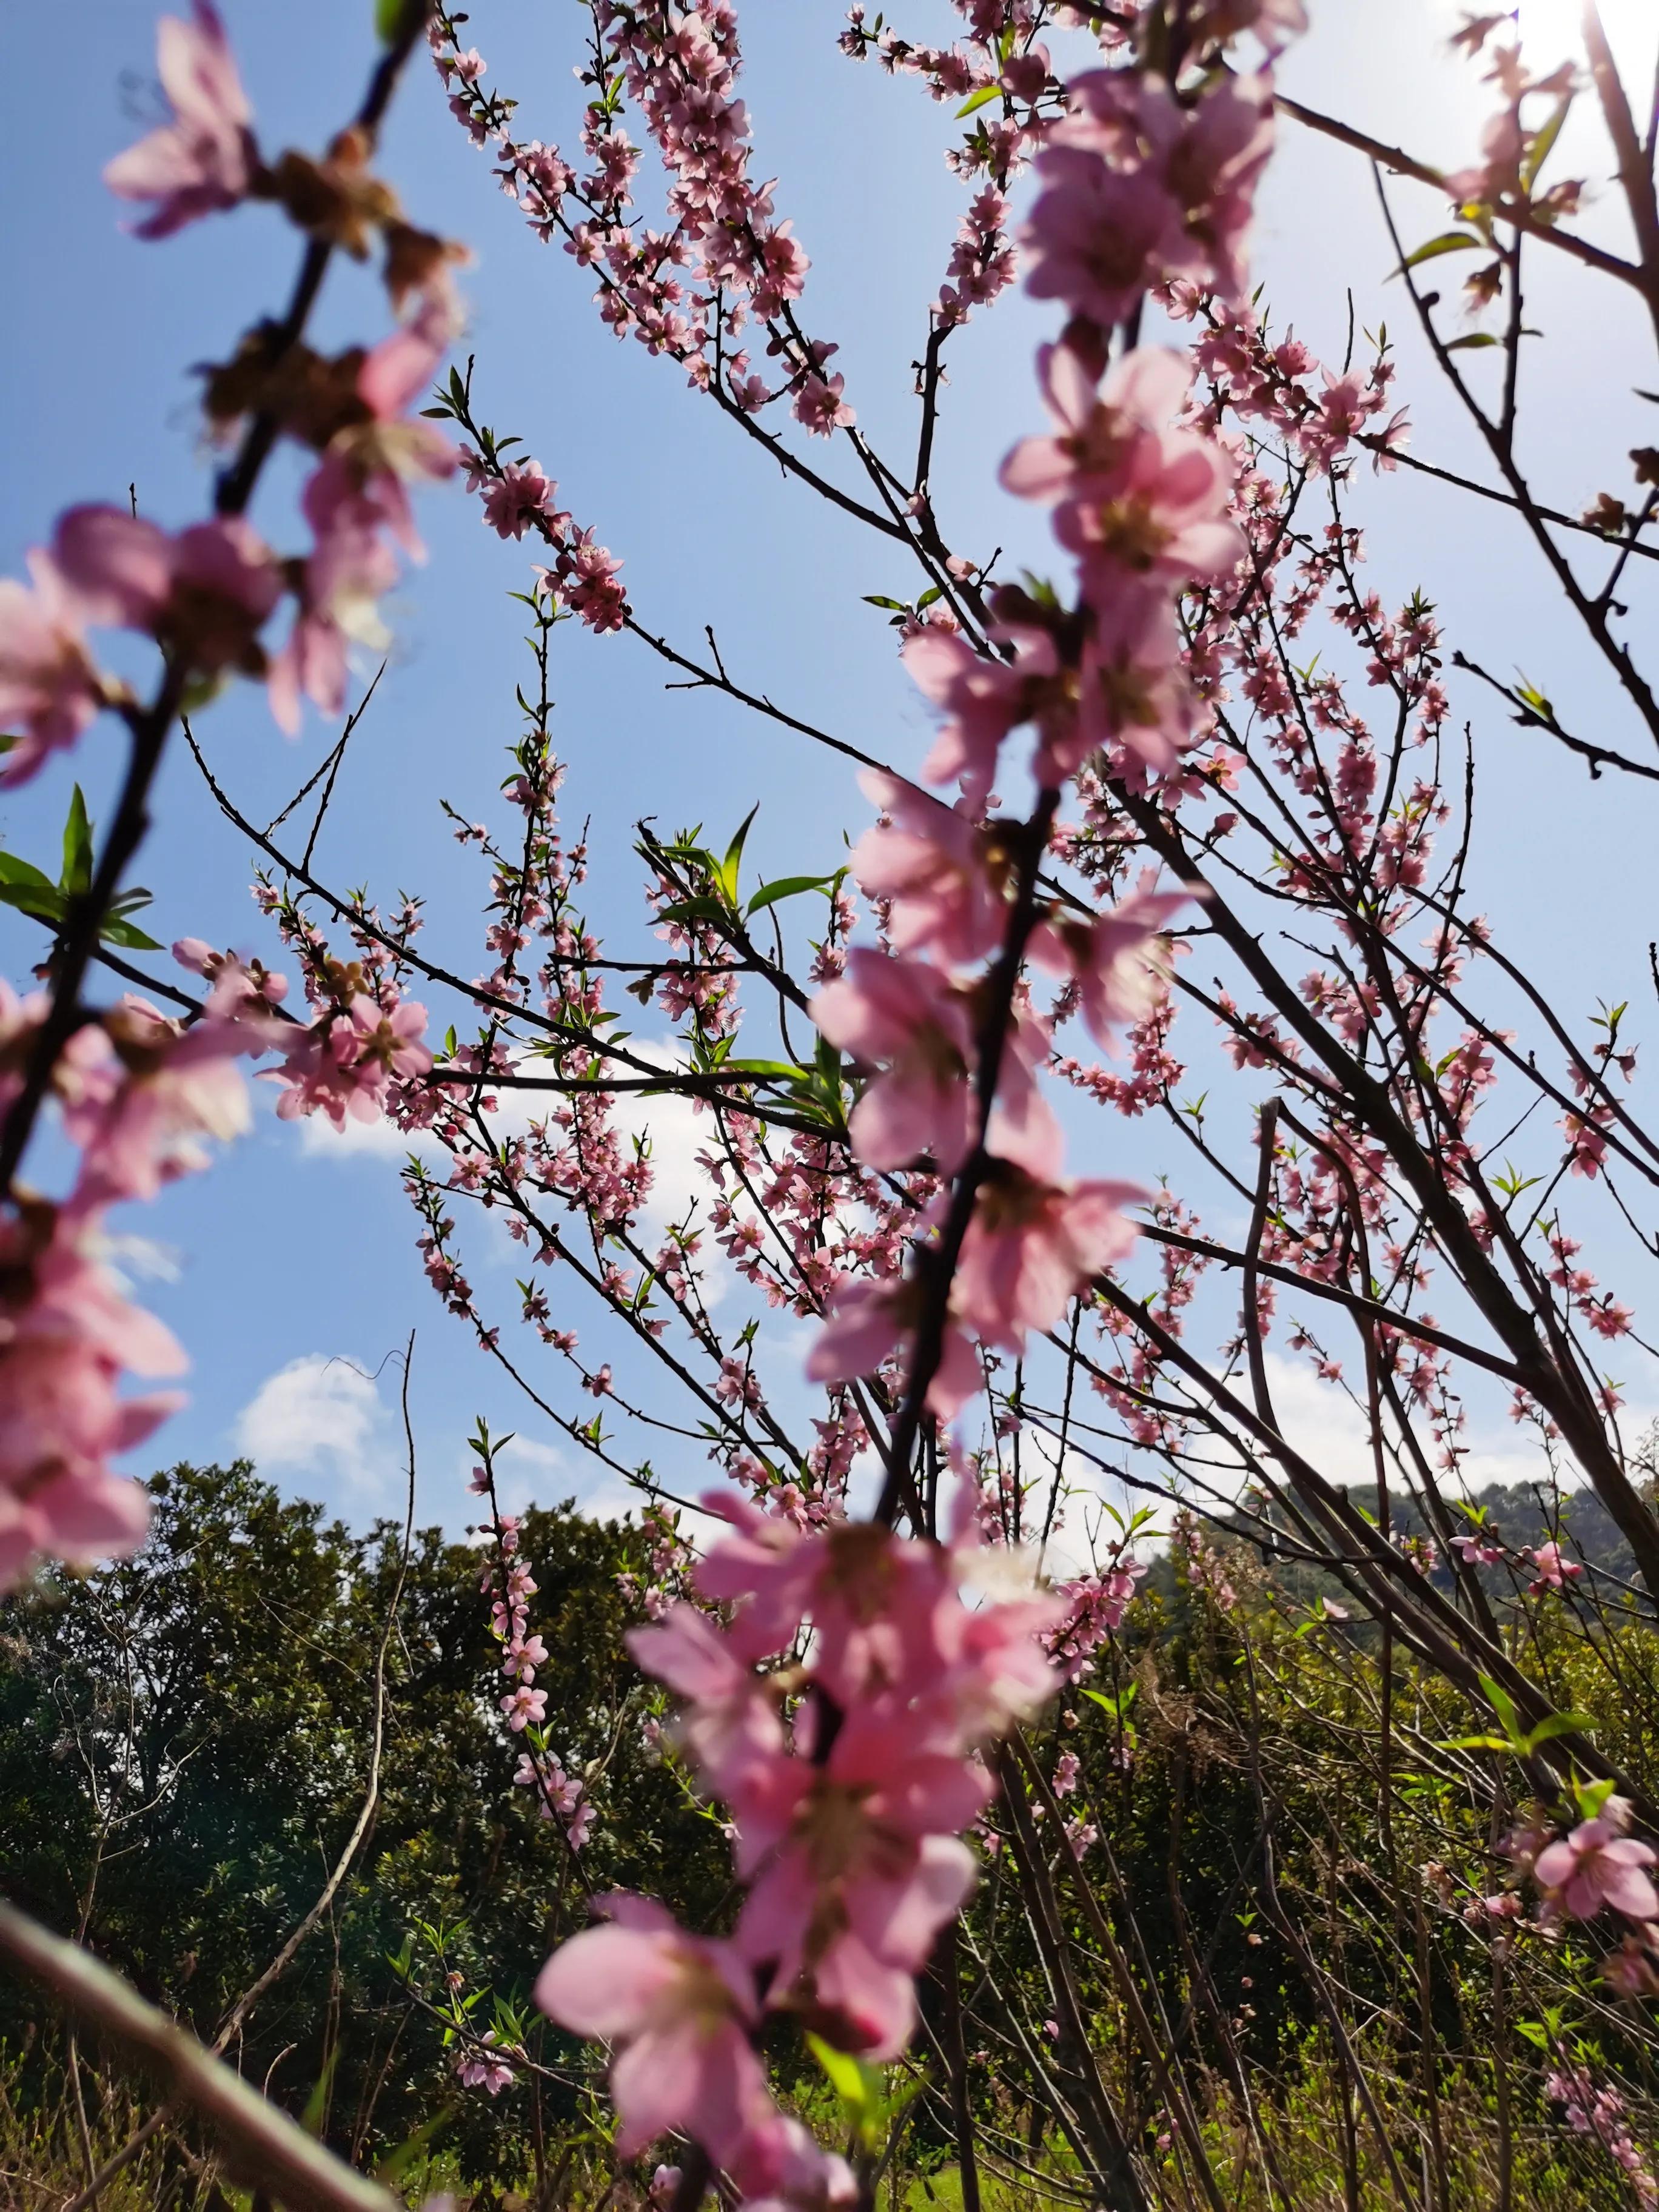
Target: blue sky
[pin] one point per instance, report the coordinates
(293, 1253)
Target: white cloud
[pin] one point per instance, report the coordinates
(319, 1415)
(1321, 1422)
(379, 1141)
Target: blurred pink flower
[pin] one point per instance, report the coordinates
(49, 688)
(1030, 1245)
(203, 159)
(1597, 1865)
(937, 870)
(679, 2007)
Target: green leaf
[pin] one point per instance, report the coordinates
(1554, 1724)
(1502, 1705)
(879, 599)
(317, 2103)
(77, 848)
(396, 2162)
(729, 867)
(1543, 143)
(45, 903)
(780, 1071)
(786, 887)
(389, 19)
(1467, 344)
(847, 2076)
(1449, 242)
(124, 934)
(694, 909)
(1118, 1706)
(24, 873)
(986, 94)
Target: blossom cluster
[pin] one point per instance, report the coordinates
(518, 496)
(206, 593)
(1595, 1867)
(1094, 1605)
(690, 291)
(136, 1091)
(508, 1583)
(1137, 190)
(835, 1704)
(1601, 2113)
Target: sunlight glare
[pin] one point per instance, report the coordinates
(1550, 30)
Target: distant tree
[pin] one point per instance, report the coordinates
(184, 1747)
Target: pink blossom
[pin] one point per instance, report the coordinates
(1477, 1551)
(358, 488)
(1111, 960)
(521, 496)
(678, 2008)
(588, 585)
(983, 700)
(523, 1654)
(341, 585)
(345, 1064)
(1094, 1607)
(818, 404)
(139, 1091)
(1097, 235)
(1597, 1865)
(475, 2067)
(1555, 1569)
(869, 1321)
(1139, 188)
(205, 594)
(876, 1603)
(851, 1878)
(887, 1617)
(1030, 1245)
(523, 1706)
(908, 1013)
(203, 159)
(1134, 700)
(1132, 489)
(1275, 22)
(788, 2172)
(941, 877)
(731, 1727)
(1213, 168)
(66, 1337)
(49, 688)
(1498, 172)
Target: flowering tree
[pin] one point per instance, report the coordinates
(1199, 767)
